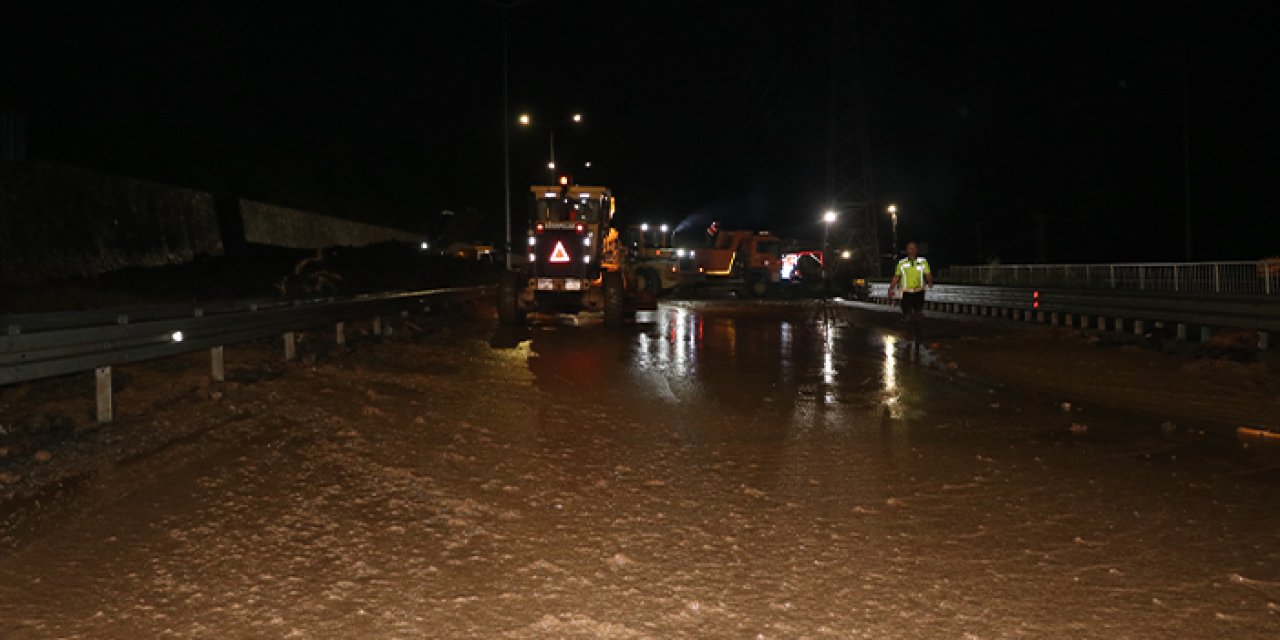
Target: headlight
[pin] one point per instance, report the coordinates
(679, 253)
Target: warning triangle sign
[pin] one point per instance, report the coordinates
(559, 254)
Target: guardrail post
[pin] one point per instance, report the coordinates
(1119, 325)
(1175, 277)
(1217, 279)
(1102, 323)
(1070, 320)
(106, 412)
(1206, 333)
(341, 331)
(290, 346)
(1113, 276)
(1182, 331)
(1054, 318)
(1266, 278)
(1137, 328)
(216, 370)
(377, 325)
(1264, 340)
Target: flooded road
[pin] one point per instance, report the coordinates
(716, 470)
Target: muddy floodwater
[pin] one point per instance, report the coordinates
(717, 470)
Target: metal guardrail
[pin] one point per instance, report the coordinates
(1107, 309)
(1260, 277)
(45, 345)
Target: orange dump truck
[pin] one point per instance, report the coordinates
(747, 262)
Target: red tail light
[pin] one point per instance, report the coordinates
(538, 228)
(579, 228)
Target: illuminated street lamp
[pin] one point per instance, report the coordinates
(893, 215)
(577, 117)
(846, 254)
(524, 119)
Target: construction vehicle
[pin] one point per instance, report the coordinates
(746, 262)
(649, 258)
(575, 261)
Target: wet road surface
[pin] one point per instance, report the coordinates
(716, 470)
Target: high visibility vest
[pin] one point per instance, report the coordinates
(911, 274)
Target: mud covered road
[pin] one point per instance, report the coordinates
(715, 471)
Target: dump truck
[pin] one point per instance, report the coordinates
(748, 263)
(574, 261)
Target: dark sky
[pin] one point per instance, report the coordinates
(991, 113)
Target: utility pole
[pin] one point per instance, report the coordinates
(849, 177)
(506, 138)
(1042, 238)
(1186, 154)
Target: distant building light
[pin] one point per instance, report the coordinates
(177, 336)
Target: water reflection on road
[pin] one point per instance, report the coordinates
(782, 361)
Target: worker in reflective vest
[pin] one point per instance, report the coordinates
(914, 276)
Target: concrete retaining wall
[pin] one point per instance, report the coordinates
(59, 222)
(284, 227)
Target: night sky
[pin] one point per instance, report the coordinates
(990, 113)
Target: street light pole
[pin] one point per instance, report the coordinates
(893, 215)
(506, 138)
(551, 164)
(829, 218)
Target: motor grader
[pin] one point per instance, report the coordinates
(574, 261)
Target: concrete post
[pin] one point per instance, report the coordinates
(341, 331)
(1119, 325)
(1182, 331)
(106, 412)
(1206, 333)
(1102, 323)
(216, 370)
(290, 346)
(1070, 320)
(1263, 339)
(1053, 318)
(377, 325)
(1137, 328)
